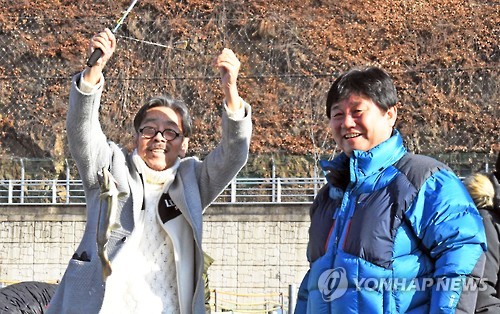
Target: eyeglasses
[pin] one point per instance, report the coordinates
(150, 132)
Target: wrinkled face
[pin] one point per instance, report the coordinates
(158, 153)
(358, 123)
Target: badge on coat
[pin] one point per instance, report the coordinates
(167, 208)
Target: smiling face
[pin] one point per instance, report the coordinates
(358, 123)
(158, 153)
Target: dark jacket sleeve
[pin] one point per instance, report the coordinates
(488, 299)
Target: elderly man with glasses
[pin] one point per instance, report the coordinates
(152, 260)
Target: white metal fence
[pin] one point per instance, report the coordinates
(240, 190)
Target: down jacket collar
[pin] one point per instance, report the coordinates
(342, 170)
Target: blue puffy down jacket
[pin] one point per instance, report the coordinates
(392, 232)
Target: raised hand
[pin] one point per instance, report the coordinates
(229, 66)
(106, 41)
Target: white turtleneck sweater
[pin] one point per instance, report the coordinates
(143, 278)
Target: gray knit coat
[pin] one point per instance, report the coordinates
(195, 187)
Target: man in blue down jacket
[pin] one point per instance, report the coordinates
(155, 252)
(391, 232)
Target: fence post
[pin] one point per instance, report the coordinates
(273, 190)
(278, 190)
(54, 191)
(292, 298)
(282, 302)
(21, 191)
(67, 181)
(216, 308)
(233, 191)
(11, 192)
(273, 175)
(315, 182)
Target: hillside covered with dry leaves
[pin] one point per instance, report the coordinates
(443, 54)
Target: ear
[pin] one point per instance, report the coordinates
(184, 147)
(392, 114)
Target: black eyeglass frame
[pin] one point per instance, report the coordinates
(174, 133)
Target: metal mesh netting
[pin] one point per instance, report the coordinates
(446, 74)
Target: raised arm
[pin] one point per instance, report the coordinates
(87, 142)
(225, 161)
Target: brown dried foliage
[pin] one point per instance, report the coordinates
(443, 54)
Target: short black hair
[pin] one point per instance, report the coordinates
(371, 82)
(166, 101)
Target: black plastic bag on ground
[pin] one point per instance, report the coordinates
(29, 297)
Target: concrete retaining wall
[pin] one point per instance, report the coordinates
(258, 249)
